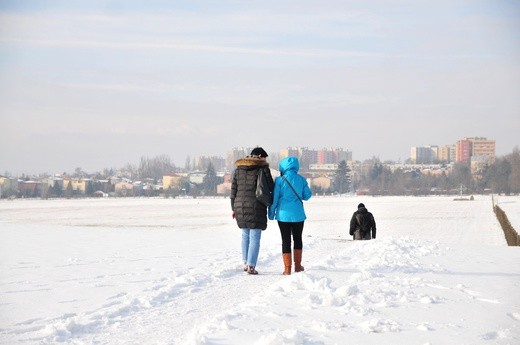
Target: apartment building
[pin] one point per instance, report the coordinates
(310, 157)
(477, 148)
(483, 147)
(463, 151)
(424, 154)
(446, 153)
(290, 151)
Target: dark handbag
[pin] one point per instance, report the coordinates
(263, 194)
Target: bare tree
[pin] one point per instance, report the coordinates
(155, 167)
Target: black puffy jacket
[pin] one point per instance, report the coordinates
(249, 212)
(364, 221)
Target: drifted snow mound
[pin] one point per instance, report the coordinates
(349, 292)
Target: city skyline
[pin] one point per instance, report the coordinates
(98, 84)
(227, 159)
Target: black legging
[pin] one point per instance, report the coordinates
(287, 229)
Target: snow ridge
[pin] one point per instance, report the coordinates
(369, 277)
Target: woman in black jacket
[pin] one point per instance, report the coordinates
(250, 214)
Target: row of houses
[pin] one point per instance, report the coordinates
(71, 187)
(64, 186)
(319, 176)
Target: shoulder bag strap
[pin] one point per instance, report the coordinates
(290, 185)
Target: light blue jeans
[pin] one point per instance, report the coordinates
(250, 245)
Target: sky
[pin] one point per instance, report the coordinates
(100, 84)
(153, 271)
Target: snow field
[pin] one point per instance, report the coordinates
(164, 271)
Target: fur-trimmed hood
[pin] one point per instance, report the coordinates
(251, 162)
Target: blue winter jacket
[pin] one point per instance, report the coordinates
(286, 206)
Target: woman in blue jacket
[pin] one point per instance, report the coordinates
(290, 189)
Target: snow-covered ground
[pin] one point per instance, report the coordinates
(168, 271)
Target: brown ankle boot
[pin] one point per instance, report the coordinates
(298, 260)
(287, 260)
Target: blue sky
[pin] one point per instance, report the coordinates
(97, 84)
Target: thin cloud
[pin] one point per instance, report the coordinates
(197, 47)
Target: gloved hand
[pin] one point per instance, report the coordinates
(233, 215)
